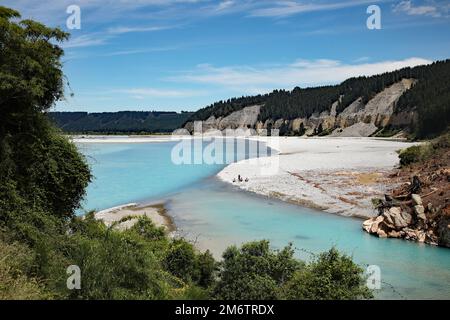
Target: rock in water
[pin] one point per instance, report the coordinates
(388, 218)
(367, 224)
(381, 233)
(400, 219)
(376, 223)
(394, 234)
(421, 236)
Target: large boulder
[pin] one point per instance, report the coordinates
(376, 224)
(367, 224)
(372, 225)
(388, 218)
(410, 234)
(396, 218)
(419, 210)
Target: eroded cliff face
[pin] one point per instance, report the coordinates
(358, 119)
(242, 119)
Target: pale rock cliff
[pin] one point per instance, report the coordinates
(358, 119)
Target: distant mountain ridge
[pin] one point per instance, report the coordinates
(119, 122)
(413, 99)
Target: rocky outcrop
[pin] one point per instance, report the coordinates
(349, 116)
(357, 119)
(379, 110)
(359, 129)
(409, 221)
(418, 206)
(364, 120)
(245, 118)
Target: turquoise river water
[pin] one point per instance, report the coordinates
(216, 215)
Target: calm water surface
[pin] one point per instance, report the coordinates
(216, 215)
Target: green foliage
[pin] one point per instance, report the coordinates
(133, 264)
(206, 268)
(331, 276)
(114, 264)
(43, 169)
(411, 155)
(224, 108)
(182, 261)
(425, 150)
(16, 281)
(254, 272)
(430, 98)
(30, 67)
(38, 167)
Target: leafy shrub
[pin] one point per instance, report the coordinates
(254, 271)
(411, 155)
(16, 280)
(424, 151)
(331, 276)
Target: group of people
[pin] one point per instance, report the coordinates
(239, 179)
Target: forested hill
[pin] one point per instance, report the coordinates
(429, 98)
(119, 122)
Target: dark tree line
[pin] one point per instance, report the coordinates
(298, 103)
(223, 108)
(430, 97)
(123, 121)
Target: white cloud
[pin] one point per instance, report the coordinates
(433, 9)
(123, 29)
(287, 8)
(101, 38)
(362, 59)
(247, 79)
(139, 51)
(225, 5)
(87, 40)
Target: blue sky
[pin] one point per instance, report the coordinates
(185, 54)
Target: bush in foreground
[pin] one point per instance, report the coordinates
(255, 272)
(424, 151)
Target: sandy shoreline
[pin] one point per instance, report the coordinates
(156, 212)
(337, 175)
